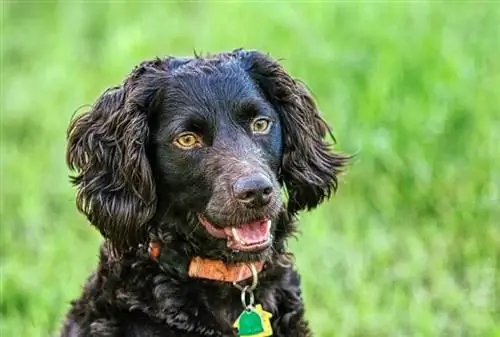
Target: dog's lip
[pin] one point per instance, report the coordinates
(250, 236)
(212, 229)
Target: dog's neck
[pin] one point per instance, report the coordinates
(215, 270)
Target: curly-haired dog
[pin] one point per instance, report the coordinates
(181, 169)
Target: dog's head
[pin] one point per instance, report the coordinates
(202, 146)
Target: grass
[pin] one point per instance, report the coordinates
(409, 246)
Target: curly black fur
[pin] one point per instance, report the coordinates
(135, 186)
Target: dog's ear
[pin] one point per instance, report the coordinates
(107, 148)
(309, 166)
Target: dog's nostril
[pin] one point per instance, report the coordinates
(245, 195)
(268, 190)
(254, 190)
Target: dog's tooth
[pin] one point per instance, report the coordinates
(268, 224)
(235, 235)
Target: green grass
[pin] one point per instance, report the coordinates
(409, 246)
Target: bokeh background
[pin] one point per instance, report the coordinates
(409, 246)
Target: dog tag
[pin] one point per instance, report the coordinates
(254, 322)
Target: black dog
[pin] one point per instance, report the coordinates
(181, 169)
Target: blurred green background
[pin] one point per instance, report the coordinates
(409, 246)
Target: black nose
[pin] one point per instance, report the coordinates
(254, 190)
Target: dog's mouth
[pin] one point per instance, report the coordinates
(252, 236)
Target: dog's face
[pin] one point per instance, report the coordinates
(205, 144)
(218, 149)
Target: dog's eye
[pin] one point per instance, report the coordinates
(261, 125)
(187, 140)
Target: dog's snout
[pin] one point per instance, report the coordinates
(254, 190)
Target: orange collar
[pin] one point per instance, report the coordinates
(213, 269)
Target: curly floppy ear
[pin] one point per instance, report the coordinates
(107, 148)
(309, 167)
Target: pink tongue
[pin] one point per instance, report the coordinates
(252, 233)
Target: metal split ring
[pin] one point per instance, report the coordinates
(254, 280)
(244, 293)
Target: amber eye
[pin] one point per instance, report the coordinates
(187, 140)
(261, 125)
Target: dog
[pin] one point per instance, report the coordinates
(194, 170)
